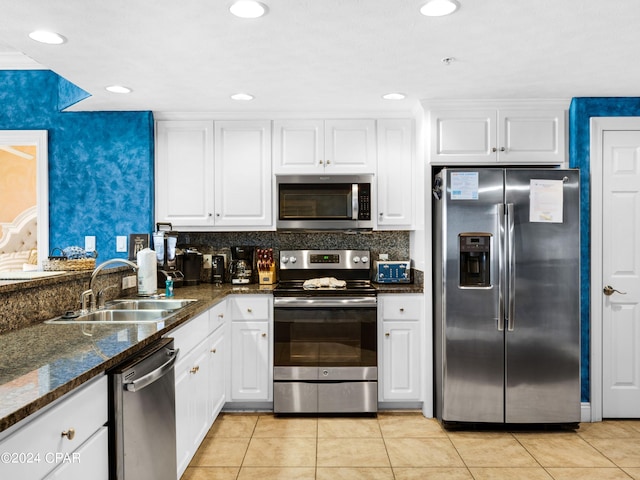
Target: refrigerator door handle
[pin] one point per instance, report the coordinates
(501, 265)
(511, 274)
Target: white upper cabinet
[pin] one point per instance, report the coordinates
(532, 132)
(213, 174)
(324, 146)
(243, 173)
(395, 173)
(184, 173)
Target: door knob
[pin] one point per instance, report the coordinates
(608, 291)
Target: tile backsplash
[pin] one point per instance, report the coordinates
(394, 243)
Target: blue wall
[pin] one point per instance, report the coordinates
(100, 163)
(580, 113)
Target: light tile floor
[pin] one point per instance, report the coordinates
(407, 446)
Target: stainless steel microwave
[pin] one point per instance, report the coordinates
(324, 202)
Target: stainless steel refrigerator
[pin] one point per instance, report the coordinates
(506, 295)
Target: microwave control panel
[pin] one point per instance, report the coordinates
(364, 201)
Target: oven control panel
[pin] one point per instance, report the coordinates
(324, 259)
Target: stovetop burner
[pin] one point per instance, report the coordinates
(329, 270)
(351, 288)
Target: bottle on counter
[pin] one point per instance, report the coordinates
(169, 287)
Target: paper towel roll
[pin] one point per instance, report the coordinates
(147, 272)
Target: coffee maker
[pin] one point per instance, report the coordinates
(164, 243)
(241, 265)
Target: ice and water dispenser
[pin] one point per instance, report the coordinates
(475, 259)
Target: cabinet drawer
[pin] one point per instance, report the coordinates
(250, 308)
(401, 307)
(188, 335)
(84, 411)
(90, 461)
(217, 315)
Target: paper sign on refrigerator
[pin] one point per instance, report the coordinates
(546, 201)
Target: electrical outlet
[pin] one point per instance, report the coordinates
(206, 260)
(121, 243)
(128, 282)
(383, 256)
(89, 243)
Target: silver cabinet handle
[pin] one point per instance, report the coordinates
(69, 433)
(249, 310)
(264, 334)
(609, 290)
(387, 334)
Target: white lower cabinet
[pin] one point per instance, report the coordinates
(69, 437)
(199, 380)
(217, 372)
(399, 336)
(88, 461)
(251, 351)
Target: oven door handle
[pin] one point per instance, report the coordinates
(315, 302)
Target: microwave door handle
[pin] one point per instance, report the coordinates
(354, 201)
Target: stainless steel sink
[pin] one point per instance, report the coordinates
(115, 316)
(148, 304)
(128, 310)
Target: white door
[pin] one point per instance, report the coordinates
(350, 146)
(243, 173)
(620, 271)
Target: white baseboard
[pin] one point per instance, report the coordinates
(585, 412)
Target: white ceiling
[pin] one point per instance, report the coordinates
(327, 55)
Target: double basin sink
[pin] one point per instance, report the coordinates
(134, 310)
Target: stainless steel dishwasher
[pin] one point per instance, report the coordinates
(142, 415)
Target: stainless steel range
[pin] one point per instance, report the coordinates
(325, 352)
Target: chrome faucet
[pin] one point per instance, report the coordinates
(90, 293)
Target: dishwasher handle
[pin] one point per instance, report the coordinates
(151, 377)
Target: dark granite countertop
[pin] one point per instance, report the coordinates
(399, 287)
(42, 362)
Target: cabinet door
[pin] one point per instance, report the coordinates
(395, 173)
(243, 173)
(250, 362)
(463, 136)
(350, 146)
(184, 173)
(217, 375)
(401, 361)
(186, 406)
(298, 146)
(399, 337)
(531, 136)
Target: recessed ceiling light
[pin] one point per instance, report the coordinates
(118, 89)
(242, 96)
(50, 38)
(248, 9)
(439, 8)
(394, 96)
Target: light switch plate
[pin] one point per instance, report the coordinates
(121, 243)
(89, 243)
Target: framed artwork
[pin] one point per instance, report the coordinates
(137, 241)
